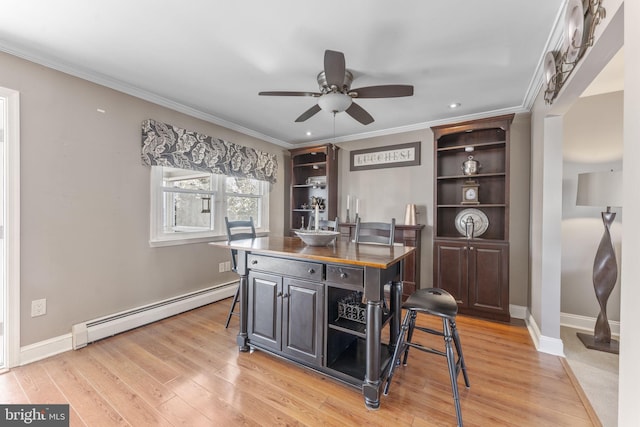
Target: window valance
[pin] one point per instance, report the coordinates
(167, 145)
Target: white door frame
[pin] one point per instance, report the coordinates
(12, 227)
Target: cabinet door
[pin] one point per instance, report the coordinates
(451, 272)
(265, 309)
(489, 277)
(302, 320)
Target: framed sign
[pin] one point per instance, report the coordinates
(391, 156)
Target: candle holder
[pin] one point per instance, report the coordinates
(348, 219)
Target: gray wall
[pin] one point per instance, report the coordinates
(85, 203)
(384, 193)
(593, 142)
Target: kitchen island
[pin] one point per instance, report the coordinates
(304, 303)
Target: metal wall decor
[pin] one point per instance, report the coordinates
(581, 19)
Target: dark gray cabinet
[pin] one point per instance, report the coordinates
(286, 315)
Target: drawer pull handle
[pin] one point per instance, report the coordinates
(311, 271)
(343, 275)
(279, 294)
(285, 296)
(254, 262)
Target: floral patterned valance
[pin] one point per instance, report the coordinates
(166, 145)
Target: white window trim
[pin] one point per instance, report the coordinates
(160, 239)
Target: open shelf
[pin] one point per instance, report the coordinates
(350, 359)
(476, 146)
(317, 165)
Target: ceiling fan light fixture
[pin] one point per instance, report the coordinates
(334, 102)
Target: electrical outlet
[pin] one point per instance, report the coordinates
(221, 267)
(227, 266)
(38, 307)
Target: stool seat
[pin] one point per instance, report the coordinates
(437, 302)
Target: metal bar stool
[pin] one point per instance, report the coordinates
(440, 303)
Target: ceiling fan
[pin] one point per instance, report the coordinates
(336, 94)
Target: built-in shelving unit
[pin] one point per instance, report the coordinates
(474, 268)
(314, 173)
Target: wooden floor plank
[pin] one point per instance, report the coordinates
(10, 389)
(131, 406)
(187, 370)
(142, 383)
(41, 389)
(93, 409)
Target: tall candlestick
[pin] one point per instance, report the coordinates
(357, 206)
(317, 224)
(348, 202)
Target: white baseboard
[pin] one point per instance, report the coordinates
(543, 343)
(43, 349)
(93, 330)
(518, 311)
(586, 323)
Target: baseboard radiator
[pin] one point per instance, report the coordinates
(93, 330)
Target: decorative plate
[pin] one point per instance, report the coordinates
(574, 28)
(550, 72)
(480, 221)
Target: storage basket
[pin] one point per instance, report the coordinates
(351, 308)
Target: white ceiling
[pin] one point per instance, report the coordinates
(210, 58)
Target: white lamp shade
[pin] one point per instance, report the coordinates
(334, 102)
(600, 189)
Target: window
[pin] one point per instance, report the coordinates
(189, 206)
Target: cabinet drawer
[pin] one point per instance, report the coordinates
(286, 267)
(345, 275)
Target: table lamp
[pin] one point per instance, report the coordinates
(602, 189)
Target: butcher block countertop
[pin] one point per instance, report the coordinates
(341, 251)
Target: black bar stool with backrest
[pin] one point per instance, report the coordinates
(380, 233)
(375, 232)
(440, 303)
(237, 230)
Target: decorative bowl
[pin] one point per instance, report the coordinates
(317, 238)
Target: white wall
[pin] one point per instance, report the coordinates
(629, 368)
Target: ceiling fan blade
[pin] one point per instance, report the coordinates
(359, 113)
(384, 91)
(285, 93)
(307, 114)
(334, 68)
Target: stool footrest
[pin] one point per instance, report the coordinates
(427, 349)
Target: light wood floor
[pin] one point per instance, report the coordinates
(187, 371)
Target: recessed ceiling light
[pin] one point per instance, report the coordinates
(308, 133)
(454, 105)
